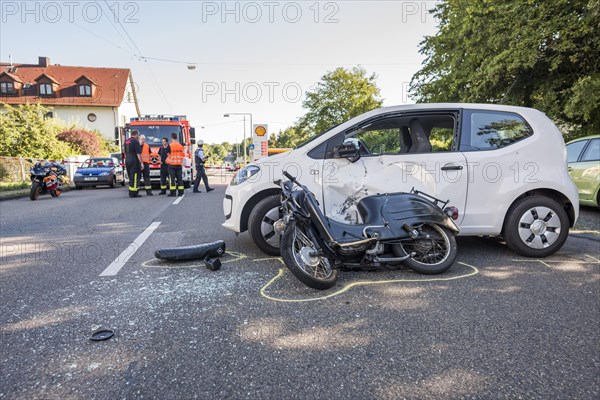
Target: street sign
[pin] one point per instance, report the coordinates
(260, 139)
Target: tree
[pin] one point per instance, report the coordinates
(340, 95)
(288, 138)
(216, 153)
(85, 142)
(533, 53)
(24, 132)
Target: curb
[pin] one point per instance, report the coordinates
(15, 194)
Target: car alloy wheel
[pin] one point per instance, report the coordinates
(539, 227)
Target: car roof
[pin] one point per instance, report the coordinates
(478, 106)
(584, 138)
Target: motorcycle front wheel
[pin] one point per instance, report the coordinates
(432, 253)
(34, 193)
(299, 253)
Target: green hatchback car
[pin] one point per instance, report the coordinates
(583, 156)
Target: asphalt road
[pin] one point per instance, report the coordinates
(495, 326)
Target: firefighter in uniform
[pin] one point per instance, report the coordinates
(146, 162)
(163, 152)
(175, 161)
(200, 159)
(133, 163)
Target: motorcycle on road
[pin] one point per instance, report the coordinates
(411, 229)
(46, 178)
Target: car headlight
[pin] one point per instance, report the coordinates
(244, 174)
(77, 174)
(104, 173)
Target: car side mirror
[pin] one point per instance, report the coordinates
(347, 150)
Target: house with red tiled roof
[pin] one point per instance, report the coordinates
(89, 97)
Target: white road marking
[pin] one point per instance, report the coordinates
(178, 200)
(122, 259)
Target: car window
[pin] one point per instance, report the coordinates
(592, 152)
(489, 130)
(403, 134)
(574, 150)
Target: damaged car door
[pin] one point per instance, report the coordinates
(394, 152)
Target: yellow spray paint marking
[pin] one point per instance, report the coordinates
(263, 290)
(158, 263)
(547, 263)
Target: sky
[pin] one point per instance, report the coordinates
(249, 57)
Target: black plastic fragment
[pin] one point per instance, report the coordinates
(212, 263)
(102, 334)
(201, 251)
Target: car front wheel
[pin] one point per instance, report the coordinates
(261, 225)
(536, 226)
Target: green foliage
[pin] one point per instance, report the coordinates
(288, 138)
(83, 141)
(5, 170)
(441, 139)
(6, 186)
(216, 153)
(382, 141)
(340, 95)
(533, 53)
(24, 132)
(107, 146)
(14, 170)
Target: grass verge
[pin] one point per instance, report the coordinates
(6, 186)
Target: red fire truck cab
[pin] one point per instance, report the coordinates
(156, 127)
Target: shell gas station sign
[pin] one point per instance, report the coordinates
(260, 140)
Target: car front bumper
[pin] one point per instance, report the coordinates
(92, 180)
(233, 205)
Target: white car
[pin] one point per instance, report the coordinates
(503, 167)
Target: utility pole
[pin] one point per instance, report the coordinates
(135, 101)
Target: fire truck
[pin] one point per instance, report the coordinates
(156, 127)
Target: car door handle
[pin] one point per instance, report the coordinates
(314, 172)
(452, 167)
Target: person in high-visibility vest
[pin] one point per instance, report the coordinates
(146, 162)
(175, 161)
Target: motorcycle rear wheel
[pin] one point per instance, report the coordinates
(430, 256)
(315, 272)
(34, 193)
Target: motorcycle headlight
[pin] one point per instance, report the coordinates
(244, 174)
(104, 173)
(77, 174)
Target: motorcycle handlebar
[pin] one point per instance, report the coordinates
(290, 177)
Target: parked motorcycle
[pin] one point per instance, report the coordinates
(411, 229)
(46, 178)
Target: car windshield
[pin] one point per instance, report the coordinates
(316, 136)
(155, 133)
(98, 163)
